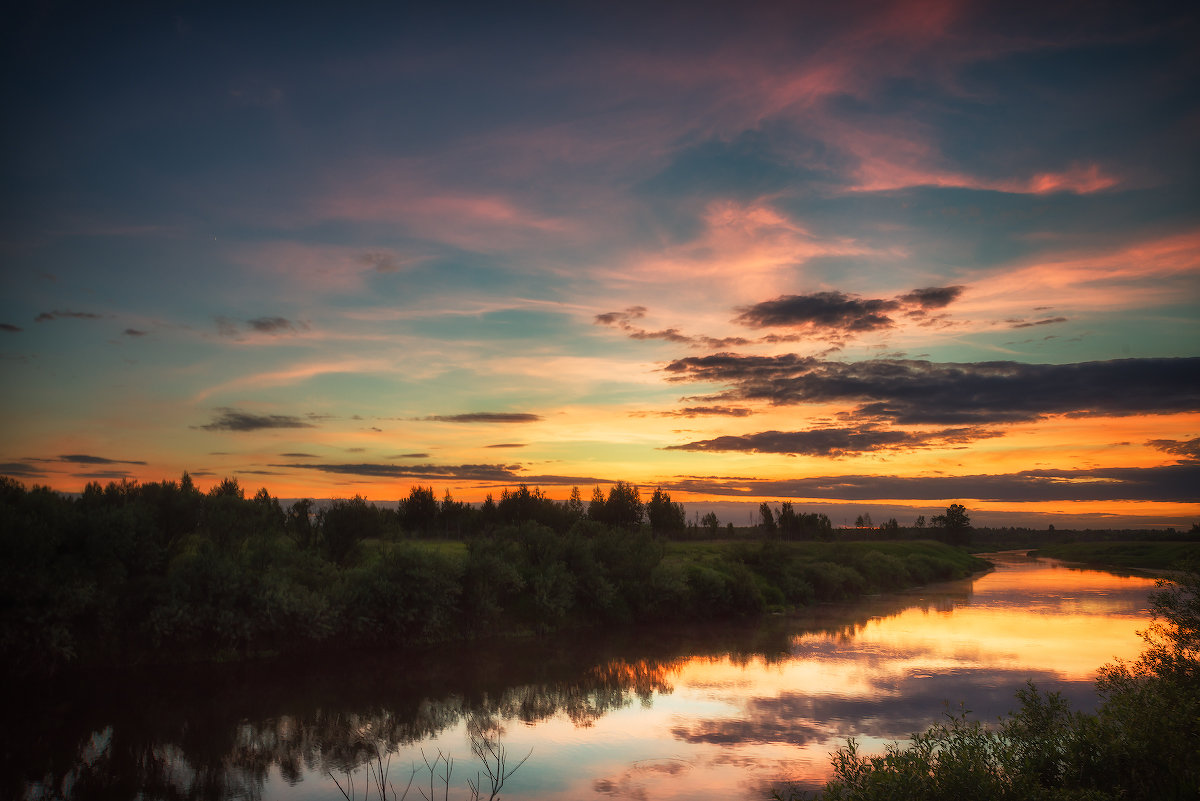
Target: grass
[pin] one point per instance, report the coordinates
(1133, 555)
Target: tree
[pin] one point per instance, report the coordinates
(956, 524)
(711, 523)
(789, 524)
(596, 509)
(766, 519)
(665, 517)
(624, 506)
(575, 507)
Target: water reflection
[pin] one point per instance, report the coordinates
(714, 711)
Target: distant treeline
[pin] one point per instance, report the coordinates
(164, 572)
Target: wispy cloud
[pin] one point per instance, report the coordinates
(835, 442)
(484, 417)
(236, 420)
(1169, 483)
(1188, 449)
(83, 458)
(61, 315)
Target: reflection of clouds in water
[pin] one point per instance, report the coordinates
(632, 783)
(900, 707)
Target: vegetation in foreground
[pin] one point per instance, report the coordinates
(163, 572)
(1143, 743)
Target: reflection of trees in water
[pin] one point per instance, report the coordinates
(216, 732)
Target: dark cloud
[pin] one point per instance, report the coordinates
(621, 318)
(410, 456)
(837, 441)
(83, 458)
(10, 328)
(228, 327)
(133, 332)
(484, 417)
(21, 469)
(490, 473)
(270, 325)
(932, 297)
(235, 420)
(1047, 321)
(909, 391)
(1169, 483)
(1189, 449)
(298, 455)
(58, 315)
(707, 411)
(508, 445)
(833, 310)
(841, 313)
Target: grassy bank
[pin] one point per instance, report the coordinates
(161, 572)
(1143, 555)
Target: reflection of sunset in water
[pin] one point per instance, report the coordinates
(720, 710)
(733, 726)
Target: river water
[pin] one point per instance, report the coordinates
(718, 711)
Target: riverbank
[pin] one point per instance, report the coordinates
(1168, 556)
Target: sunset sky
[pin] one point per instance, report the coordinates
(854, 255)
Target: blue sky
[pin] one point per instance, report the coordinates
(334, 252)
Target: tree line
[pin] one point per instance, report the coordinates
(145, 572)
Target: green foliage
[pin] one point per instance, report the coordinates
(1142, 743)
(162, 572)
(665, 518)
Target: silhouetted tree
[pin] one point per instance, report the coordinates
(789, 524)
(666, 518)
(419, 511)
(955, 524)
(623, 509)
(766, 519)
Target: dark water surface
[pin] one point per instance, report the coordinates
(721, 711)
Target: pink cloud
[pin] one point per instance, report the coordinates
(1141, 273)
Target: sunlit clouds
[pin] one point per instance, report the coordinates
(904, 254)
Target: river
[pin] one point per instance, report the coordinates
(714, 711)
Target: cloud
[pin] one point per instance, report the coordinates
(932, 297)
(1047, 321)
(623, 320)
(133, 332)
(704, 411)
(83, 458)
(298, 455)
(837, 441)
(843, 313)
(1167, 484)
(908, 391)
(234, 420)
(270, 325)
(228, 327)
(508, 445)
(58, 315)
(10, 328)
(492, 473)
(484, 417)
(22, 469)
(1189, 449)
